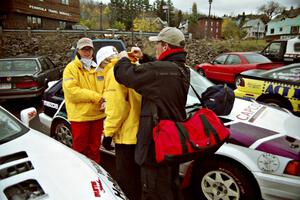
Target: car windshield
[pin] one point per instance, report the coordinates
(17, 67)
(10, 128)
(256, 58)
(200, 84)
(288, 73)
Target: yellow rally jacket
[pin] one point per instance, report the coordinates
(123, 107)
(83, 91)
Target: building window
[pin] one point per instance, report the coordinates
(62, 25)
(217, 30)
(205, 23)
(294, 29)
(66, 2)
(272, 30)
(280, 29)
(34, 22)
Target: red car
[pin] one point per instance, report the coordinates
(226, 68)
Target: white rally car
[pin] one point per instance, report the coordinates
(34, 166)
(261, 160)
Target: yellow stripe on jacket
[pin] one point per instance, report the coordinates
(83, 91)
(123, 107)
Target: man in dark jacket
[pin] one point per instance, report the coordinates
(163, 85)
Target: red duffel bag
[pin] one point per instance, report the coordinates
(198, 136)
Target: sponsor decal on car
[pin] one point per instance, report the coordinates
(249, 113)
(282, 89)
(97, 188)
(268, 162)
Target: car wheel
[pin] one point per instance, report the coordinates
(278, 102)
(201, 72)
(237, 80)
(61, 131)
(221, 179)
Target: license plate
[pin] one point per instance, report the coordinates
(5, 86)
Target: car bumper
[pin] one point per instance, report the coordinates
(46, 120)
(278, 187)
(18, 94)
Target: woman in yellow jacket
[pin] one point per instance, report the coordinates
(83, 87)
(123, 106)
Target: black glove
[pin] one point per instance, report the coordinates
(106, 143)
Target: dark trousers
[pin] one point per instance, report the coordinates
(128, 172)
(160, 183)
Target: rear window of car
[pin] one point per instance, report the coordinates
(289, 74)
(118, 45)
(256, 58)
(18, 65)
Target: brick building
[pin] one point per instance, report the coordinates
(39, 14)
(207, 28)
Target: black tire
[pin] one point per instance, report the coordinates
(222, 179)
(237, 81)
(61, 131)
(201, 72)
(278, 102)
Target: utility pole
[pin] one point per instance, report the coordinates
(167, 11)
(208, 25)
(101, 7)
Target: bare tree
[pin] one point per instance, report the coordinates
(271, 9)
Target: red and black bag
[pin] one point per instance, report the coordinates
(200, 135)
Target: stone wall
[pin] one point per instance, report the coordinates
(57, 46)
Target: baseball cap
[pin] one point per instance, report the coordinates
(170, 35)
(105, 52)
(84, 42)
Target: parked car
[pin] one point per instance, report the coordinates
(26, 77)
(284, 50)
(79, 27)
(34, 166)
(99, 43)
(279, 87)
(226, 68)
(261, 160)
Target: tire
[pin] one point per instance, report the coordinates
(221, 179)
(61, 131)
(201, 72)
(278, 102)
(237, 81)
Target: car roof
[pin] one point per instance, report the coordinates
(105, 40)
(241, 53)
(22, 57)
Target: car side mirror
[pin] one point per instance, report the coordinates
(27, 115)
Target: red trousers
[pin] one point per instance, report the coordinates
(87, 138)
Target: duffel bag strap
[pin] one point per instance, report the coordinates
(208, 128)
(184, 136)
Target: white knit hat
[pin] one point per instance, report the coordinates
(105, 52)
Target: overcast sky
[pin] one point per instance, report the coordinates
(228, 7)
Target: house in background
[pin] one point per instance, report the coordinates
(255, 28)
(206, 28)
(284, 26)
(184, 26)
(50, 14)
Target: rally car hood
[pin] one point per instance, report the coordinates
(258, 114)
(264, 116)
(60, 172)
